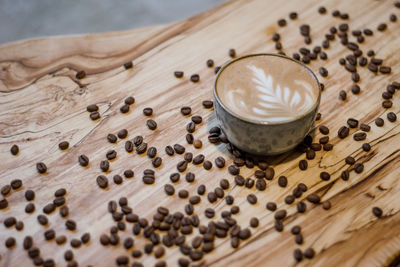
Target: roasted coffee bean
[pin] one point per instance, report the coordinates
(10, 221)
(385, 69)
(94, 115)
(5, 190)
(328, 147)
(207, 104)
(29, 195)
(49, 234)
(104, 165)
(63, 145)
(377, 211)
(280, 215)
(353, 123)
(181, 166)
(326, 205)
(358, 168)
(178, 74)
(183, 193)
(345, 175)
(324, 140)
(10, 242)
(372, 67)
(387, 104)
(128, 65)
(42, 219)
(252, 199)
(29, 208)
(249, 183)
(391, 116)
(156, 162)
(220, 162)
(365, 127)
(322, 10)
(282, 181)
(141, 148)
(289, 199)
(232, 53)
(49, 208)
(195, 78)
(117, 179)
(393, 18)
(92, 108)
(148, 111)
(271, 206)
(298, 255)
(169, 189)
(233, 170)
(313, 198)
(3, 204)
(207, 165)
(355, 89)
(151, 124)
(111, 154)
(323, 71)
(169, 150)
(299, 239)
(128, 173)
(309, 253)
(359, 136)
(197, 119)
(147, 179)
(75, 243)
(41, 167)
(112, 138)
(323, 129)
(368, 32)
(296, 230)
(350, 68)
(278, 226)
(343, 132)
(83, 160)
(186, 110)
(301, 207)
(80, 74)
(303, 164)
(64, 211)
(70, 225)
(102, 181)
(350, 160)
(379, 122)
(363, 61)
(381, 27)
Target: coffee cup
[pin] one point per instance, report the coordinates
(266, 103)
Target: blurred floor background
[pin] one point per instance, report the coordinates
(22, 19)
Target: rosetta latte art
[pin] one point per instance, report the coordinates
(270, 101)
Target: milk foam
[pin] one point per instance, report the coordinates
(267, 88)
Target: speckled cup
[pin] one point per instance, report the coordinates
(262, 138)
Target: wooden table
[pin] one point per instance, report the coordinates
(42, 104)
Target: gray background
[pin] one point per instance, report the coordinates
(22, 19)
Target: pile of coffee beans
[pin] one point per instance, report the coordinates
(185, 229)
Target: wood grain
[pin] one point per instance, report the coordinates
(42, 104)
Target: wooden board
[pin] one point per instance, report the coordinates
(42, 104)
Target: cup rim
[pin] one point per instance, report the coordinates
(260, 122)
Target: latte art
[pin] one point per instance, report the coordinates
(267, 88)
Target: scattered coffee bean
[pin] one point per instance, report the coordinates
(280, 215)
(178, 74)
(207, 165)
(343, 132)
(102, 181)
(377, 211)
(298, 255)
(359, 167)
(313, 198)
(80, 74)
(365, 127)
(151, 124)
(252, 199)
(324, 176)
(195, 78)
(326, 205)
(282, 181)
(124, 109)
(220, 162)
(41, 167)
(379, 122)
(303, 165)
(232, 53)
(169, 189)
(381, 27)
(391, 116)
(359, 136)
(282, 22)
(323, 71)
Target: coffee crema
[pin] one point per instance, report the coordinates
(267, 88)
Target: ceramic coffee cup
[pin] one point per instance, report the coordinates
(254, 134)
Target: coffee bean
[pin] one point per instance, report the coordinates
(94, 115)
(323, 71)
(117, 179)
(322, 10)
(10, 242)
(379, 122)
(299, 239)
(387, 104)
(191, 127)
(10, 221)
(80, 74)
(151, 124)
(92, 108)
(326, 205)
(377, 211)
(220, 162)
(324, 140)
(313, 198)
(343, 132)
(75, 243)
(358, 168)
(323, 129)
(301, 207)
(207, 165)
(298, 255)
(363, 61)
(278, 226)
(148, 179)
(5, 190)
(179, 149)
(391, 116)
(282, 22)
(186, 110)
(280, 215)
(178, 74)
(70, 225)
(252, 199)
(282, 181)
(359, 136)
(303, 165)
(289, 199)
(128, 173)
(365, 127)
(350, 68)
(14, 150)
(372, 67)
(207, 104)
(151, 152)
(41, 167)
(381, 27)
(293, 15)
(183, 193)
(102, 181)
(141, 148)
(195, 78)
(169, 189)
(104, 165)
(124, 109)
(49, 234)
(385, 69)
(353, 123)
(232, 53)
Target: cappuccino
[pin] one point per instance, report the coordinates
(267, 88)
